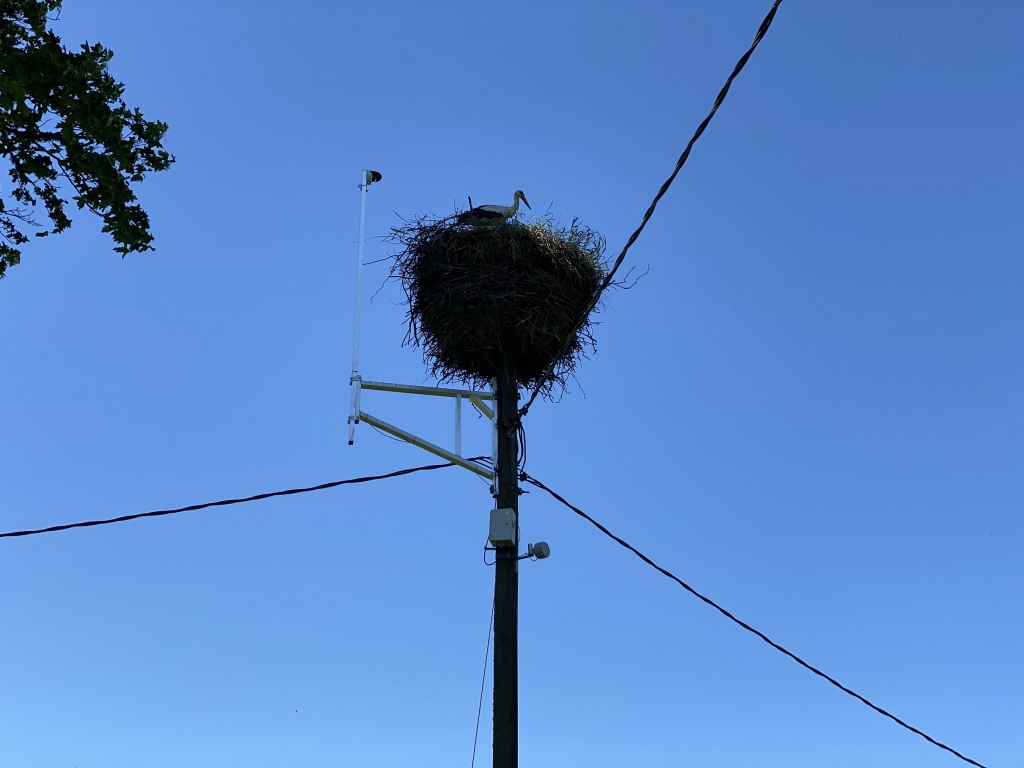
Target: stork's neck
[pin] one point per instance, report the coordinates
(515, 204)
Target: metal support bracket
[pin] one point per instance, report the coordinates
(353, 417)
(426, 445)
(477, 398)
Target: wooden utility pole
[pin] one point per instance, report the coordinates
(506, 576)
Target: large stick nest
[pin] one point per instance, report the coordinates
(480, 294)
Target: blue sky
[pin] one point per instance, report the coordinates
(810, 408)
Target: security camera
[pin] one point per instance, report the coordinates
(540, 550)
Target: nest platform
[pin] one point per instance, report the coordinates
(480, 295)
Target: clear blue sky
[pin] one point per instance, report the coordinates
(811, 408)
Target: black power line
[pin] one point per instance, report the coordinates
(533, 481)
(483, 681)
(743, 624)
(228, 502)
(661, 193)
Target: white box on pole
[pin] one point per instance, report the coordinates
(503, 527)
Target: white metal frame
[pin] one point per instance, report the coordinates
(353, 416)
(477, 398)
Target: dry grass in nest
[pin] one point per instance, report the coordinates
(477, 294)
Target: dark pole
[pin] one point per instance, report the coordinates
(506, 578)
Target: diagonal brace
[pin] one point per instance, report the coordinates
(437, 450)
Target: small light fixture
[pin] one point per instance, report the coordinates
(540, 550)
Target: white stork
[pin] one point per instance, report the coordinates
(493, 212)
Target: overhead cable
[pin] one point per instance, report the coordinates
(227, 502)
(661, 193)
(724, 612)
(483, 682)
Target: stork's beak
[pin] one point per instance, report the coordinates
(523, 198)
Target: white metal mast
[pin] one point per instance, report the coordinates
(366, 178)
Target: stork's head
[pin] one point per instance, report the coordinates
(519, 194)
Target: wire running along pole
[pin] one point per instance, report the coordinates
(665, 572)
(762, 30)
(483, 682)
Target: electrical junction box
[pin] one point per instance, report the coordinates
(503, 527)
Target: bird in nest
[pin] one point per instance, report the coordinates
(482, 214)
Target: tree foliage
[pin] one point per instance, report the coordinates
(65, 129)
